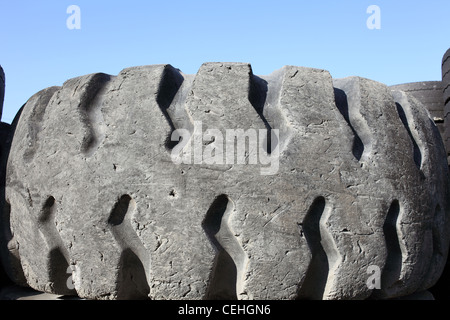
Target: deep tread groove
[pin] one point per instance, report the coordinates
(119, 211)
(57, 270)
(438, 222)
(47, 211)
(342, 105)
(168, 87)
(132, 284)
(257, 97)
(133, 277)
(392, 269)
(58, 258)
(438, 250)
(90, 112)
(315, 281)
(225, 275)
(11, 259)
(417, 152)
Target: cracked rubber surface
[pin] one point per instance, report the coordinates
(362, 181)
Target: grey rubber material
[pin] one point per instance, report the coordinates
(4, 146)
(9, 248)
(10, 266)
(95, 197)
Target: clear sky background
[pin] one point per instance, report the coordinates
(37, 50)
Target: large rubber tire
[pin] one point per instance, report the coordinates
(9, 249)
(360, 185)
(4, 146)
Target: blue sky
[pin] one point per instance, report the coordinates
(37, 50)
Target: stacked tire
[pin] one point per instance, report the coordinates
(2, 89)
(429, 93)
(8, 268)
(4, 279)
(101, 205)
(446, 97)
(440, 290)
